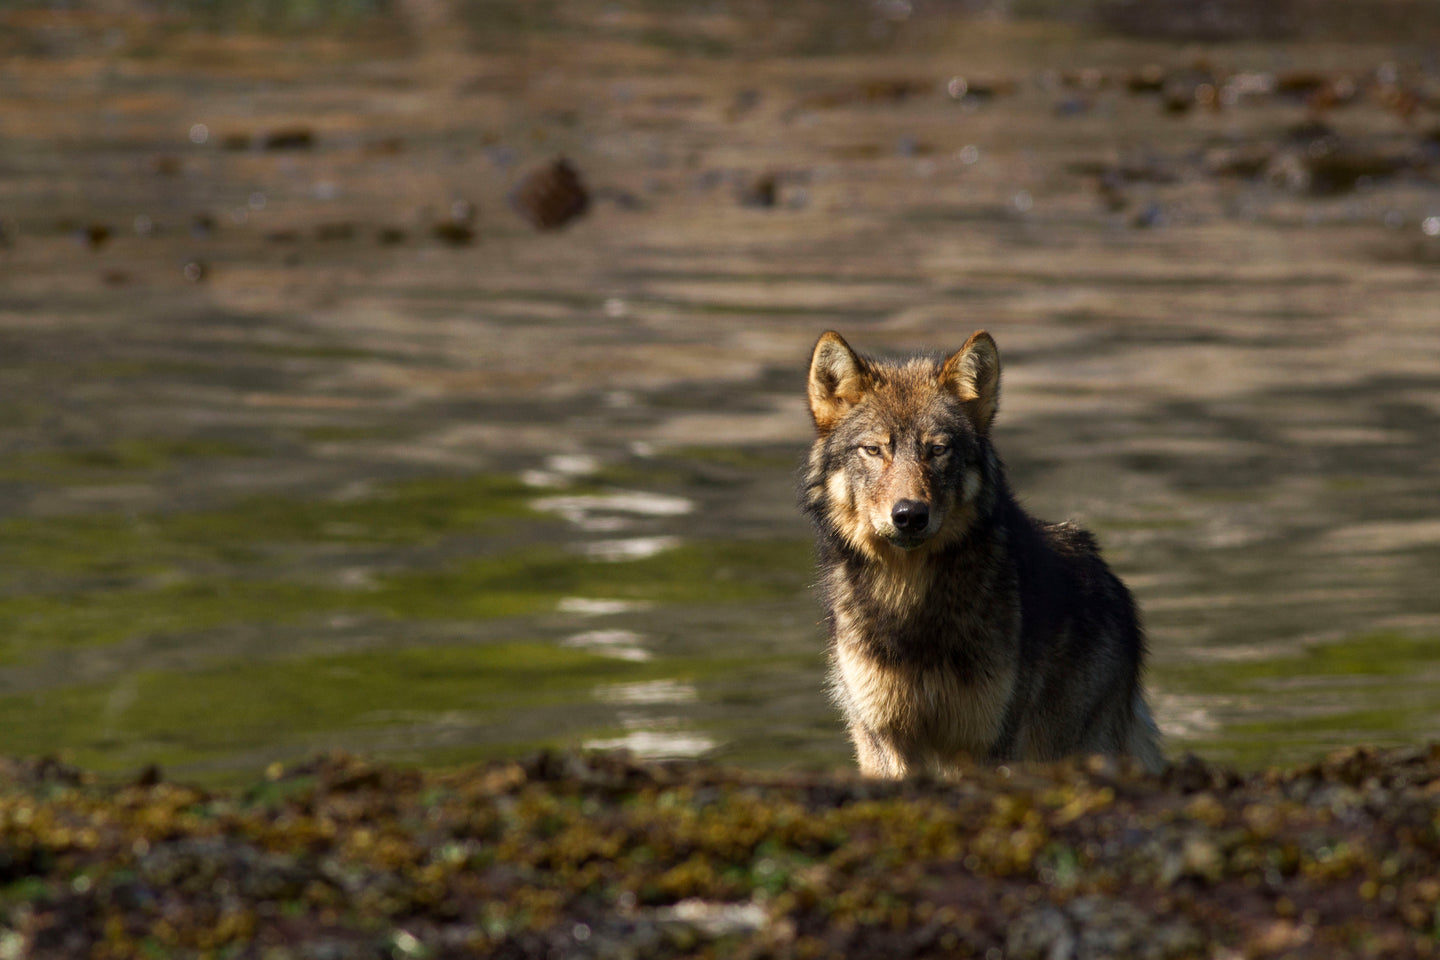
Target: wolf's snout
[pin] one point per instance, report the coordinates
(910, 516)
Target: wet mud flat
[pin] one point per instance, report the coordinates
(321, 428)
(597, 855)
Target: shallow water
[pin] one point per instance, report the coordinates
(284, 468)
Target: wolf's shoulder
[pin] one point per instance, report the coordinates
(1069, 538)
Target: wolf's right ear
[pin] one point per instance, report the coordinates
(838, 379)
(973, 375)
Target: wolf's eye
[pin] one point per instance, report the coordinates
(871, 449)
(938, 449)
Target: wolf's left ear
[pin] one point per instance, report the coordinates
(973, 375)
(838, 380)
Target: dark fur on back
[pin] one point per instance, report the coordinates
(959, 624)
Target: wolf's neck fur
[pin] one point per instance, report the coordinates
(925, 607)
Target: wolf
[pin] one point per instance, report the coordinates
(961, 627)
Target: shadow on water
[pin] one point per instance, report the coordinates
(309, 439)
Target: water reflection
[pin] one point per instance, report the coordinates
(621, 644)
(647, 692)
(607, 512)
(631, 548)
(596, 607)
(657, 744)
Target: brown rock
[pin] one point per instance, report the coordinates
(551, 196)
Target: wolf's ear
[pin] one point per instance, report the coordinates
(838, 379)
(973, 375)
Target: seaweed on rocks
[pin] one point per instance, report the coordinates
(597, 854)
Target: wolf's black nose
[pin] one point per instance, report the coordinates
(910, 516)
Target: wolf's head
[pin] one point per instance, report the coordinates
(902, 454)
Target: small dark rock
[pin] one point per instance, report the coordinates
(453, 233)
(458, 227)
(551, 196)
(1344, 167)
(762, 191)
(96, 235)
(1148, 79)
(390, 236)
(893, 89)
(1243, 162)
(290, 138)
(1300, 83)
(979, 88)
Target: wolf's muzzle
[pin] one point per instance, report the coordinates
(910, 516)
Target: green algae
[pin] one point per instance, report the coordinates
(113, 462)
(510, 585)
(693, 573)
(408, 513)
(436, 553)
(1314, 698)
(1375, 654)
(597, 855)
(179, 718)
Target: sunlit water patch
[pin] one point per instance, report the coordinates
(629, 548)
(657, 744)
(596, 606)
(621, 644)
(613, 511)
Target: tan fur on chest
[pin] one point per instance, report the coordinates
(931, 713)
(901, 582)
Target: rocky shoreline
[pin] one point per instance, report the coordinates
(568, 854)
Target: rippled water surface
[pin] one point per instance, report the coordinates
(308, 439)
